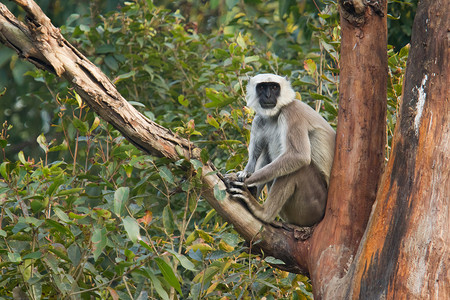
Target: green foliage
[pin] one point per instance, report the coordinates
(400, 19)
(397, 67)
(87, 215)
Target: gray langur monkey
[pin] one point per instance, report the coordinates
(291, 151)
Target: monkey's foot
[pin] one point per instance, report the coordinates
(300, 233)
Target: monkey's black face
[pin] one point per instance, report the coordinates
(268, 93)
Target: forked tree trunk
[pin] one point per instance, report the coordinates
(405, 251)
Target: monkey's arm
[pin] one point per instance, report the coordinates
(297, 153)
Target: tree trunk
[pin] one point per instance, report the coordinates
(404, 253)
(359, 155)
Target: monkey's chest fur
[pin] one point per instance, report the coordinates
(272, 139)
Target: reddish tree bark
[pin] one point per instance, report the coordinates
(404, 254)
(359, 155)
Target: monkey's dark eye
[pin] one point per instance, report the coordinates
(275, 87)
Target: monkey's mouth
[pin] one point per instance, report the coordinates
(268, 104)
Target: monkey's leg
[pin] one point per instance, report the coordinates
(280, 191)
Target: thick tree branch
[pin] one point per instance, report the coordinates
(39, 42)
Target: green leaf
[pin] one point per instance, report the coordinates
(204, 155)
(183, 101)
(168, 221)
(219, 99)
(69, 191)
(283, 8)
(205, 236)
(310, 67)
(158, 287)
(4, 169)
(74, 254)
(196, 164)
(79, 100)
(61, 215)
(209, 215)
(184, 261)
(61, 147)
(273, 260)
(33, 255)
(36, 205)
(250, 59)
(168, 274)
(231, 4)
(98, 241)
(42, 141)
(14, 257)
(136, 103)
(95, 124)
(55, 185)
(83, 127)
(60, 253)
(22, 157)
(234, 161)
(132, 228)
(231, 239)
(165, 174)
(125, 76)
(19, 227)
(212, 121)
(76, 216)
(389, 16)
(120, 200)
(240, 40)
(72, 18)
(111, 62)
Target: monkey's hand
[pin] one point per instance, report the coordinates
(242, 175)
(240, 191)
(236, 186)
(234, 183)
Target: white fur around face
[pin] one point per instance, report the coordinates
(287, 94)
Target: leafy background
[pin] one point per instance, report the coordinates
(85, 214)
